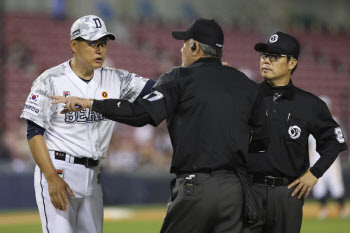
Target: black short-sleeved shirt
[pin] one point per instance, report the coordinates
(210, 111)
(208, 107)
(293, 115)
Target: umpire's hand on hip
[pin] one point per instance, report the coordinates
(58, 189)
(72, 104)
(306, 182)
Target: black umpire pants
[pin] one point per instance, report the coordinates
(205, 203)
(283, 213)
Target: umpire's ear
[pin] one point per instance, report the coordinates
(292, 63)
(73, 45)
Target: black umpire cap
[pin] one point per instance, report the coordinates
(205, 31)
(280, 43)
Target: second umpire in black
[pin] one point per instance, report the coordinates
(283, 175)
(210, 111)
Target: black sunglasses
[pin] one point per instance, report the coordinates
(272, 57)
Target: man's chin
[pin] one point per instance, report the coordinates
(267, 77)
(97, 65)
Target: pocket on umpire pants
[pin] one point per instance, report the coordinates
(173, 192)
(190, 189)
(76, 176)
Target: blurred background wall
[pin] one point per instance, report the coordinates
(35, 37)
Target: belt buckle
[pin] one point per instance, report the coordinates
(269, 178)
(87, 164)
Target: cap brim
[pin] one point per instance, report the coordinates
(269, 48)
(98, 36)
(181, 35)
(111, 36)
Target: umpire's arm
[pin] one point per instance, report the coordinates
(151, 109)
(148, 110)
(123, 111)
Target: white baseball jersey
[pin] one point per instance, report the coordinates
(84, 133)
(79, 134)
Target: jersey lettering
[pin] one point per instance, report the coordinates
(98, 23)
(93, 116)
(70, 117)
(83, 116)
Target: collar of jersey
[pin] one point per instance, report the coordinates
(208, 60)
(288, 93)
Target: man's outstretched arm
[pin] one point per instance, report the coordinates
(151, 109)
(134, 114)
(123, 111)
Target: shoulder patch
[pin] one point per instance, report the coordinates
(33, 97)
(34, 110)
(155, 95)
(339, 134)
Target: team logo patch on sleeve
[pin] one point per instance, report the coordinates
(35, 110)
(156, 95)
(33, 97)
(339, 134)
(60, 173)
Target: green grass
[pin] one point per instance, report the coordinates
(309, 226)
(109, 227)
(132, 227)
(326, 226)
(28, 228)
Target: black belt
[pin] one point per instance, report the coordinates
(87, 162)
(270, 181)
(205, 173)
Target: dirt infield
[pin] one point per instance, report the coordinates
(133, 215)
(130, 214)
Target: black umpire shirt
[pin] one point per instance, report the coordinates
(293, 115)
(210, 111)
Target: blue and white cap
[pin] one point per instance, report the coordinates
(90, 27)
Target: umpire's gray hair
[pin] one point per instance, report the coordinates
(209, 50)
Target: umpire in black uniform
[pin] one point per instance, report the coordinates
(283, 176)
(210, 111)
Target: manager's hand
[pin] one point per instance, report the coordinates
(58, 189)
(306, 182)
(73, 104)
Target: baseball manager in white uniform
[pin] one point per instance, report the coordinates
(68, 148)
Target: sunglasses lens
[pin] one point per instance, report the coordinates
(97, 44)
(92, 43)
(272, 57)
